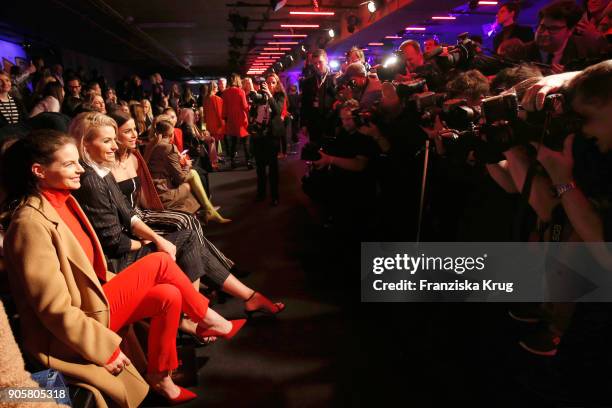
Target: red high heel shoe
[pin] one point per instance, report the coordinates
(236, 326)
(184, 396)
(266, 307)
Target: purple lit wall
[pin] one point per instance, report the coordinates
(11, 50)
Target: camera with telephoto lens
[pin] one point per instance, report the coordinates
(508, 125)
(423, 107)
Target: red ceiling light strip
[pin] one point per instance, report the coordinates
(393, 37)
(300, 26)
(443, 18)
(487, 3)
(312, 13)
(271, 53)
(283, 43)
(277, 49)
(376, 44)
(290, 35)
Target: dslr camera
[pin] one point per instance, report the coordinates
(258, 97)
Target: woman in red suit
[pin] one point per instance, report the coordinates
(74, 307)
(235, 113)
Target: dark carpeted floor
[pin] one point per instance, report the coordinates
(329, 350)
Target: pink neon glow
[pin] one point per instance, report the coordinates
(299, 25)
(443, 18)
(290, 35)
(283, 43)
(312, 13)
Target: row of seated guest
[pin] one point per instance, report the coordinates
(72, 304)
(187, 194)
(116, 221)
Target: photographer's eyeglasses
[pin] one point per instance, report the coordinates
(551, 29)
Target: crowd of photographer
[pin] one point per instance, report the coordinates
(456, 145)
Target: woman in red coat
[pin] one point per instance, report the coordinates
(235, 113)
(213, 112)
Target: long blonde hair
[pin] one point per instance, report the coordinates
(83, 127)
(185, 113)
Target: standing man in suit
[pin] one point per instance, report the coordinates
(318, 96)
(506, 18)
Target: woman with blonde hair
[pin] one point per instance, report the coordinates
(148, 112)
(201, 145)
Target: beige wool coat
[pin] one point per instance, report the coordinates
(64, 313)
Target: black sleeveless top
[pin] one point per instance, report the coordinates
(128, 188)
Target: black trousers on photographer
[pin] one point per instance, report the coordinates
(265, 150)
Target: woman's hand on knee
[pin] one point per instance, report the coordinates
(118, 364)
(163, 245)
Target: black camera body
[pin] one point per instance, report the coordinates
(550, 126)
(257, 98)
(310, 151)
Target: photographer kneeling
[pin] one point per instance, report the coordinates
(353, 191)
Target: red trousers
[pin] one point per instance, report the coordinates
(154, 287)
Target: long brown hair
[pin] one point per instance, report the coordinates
(18, 181)
(279, 84)
(137, 112)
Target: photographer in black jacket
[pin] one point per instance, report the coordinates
(318, 96)
(349, 158)
(267, 128)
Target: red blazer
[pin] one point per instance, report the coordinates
(177, 140)
(213, 111)
(235, 112)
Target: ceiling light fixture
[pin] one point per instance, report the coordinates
(271, 53)
(374, 6)
(376, 44)
(277, 49)
(393, 37)
(487, 3)
(283, 43)
(443, 18)
(416, 28)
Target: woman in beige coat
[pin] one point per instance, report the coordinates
(71, 308)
